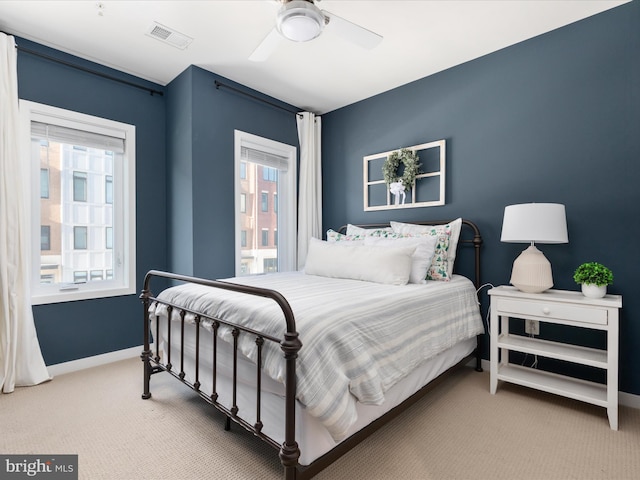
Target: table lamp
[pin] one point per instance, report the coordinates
(531, 223)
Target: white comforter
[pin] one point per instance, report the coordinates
(359, 338)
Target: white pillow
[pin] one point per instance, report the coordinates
(421, 258)
(355, 230)
(387, 265)
(446, 248)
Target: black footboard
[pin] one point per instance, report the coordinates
(290, 345)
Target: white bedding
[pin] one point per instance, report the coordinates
(313, 439)
(401, 327)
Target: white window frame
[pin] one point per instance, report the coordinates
(124, 241)
(287, 189)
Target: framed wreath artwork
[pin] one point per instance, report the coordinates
(405, 178)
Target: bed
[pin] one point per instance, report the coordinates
(312, 362)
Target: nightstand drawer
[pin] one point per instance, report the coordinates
(553, 310)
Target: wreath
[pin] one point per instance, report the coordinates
(409, 159)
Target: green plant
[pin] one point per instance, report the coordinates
(411, 163)
(594, 273)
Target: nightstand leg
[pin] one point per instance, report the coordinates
(612, 413)
(612, 370)
(493, 382)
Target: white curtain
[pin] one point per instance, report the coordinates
(21, 361)
(310, 196)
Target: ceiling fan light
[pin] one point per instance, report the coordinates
(300, 21)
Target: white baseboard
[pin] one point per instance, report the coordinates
(95, 361)
(626, 399)
(629, 399)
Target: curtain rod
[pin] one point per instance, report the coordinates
(88, 70)
(255, 97)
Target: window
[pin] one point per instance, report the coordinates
(80, 277)
(79, 187)
(45, 237)
(79, 238)
(265, 170)
(108, 238)
(270, 265)
(269, 174)
(44, 183)
(87, 217)
(96, 275)
(108, 189)
(275, 237)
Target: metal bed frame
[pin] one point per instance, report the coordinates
(290, 344)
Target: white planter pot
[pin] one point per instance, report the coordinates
(593, 291)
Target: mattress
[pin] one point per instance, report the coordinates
(313, 435)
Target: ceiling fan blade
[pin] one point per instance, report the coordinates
(352, 32)
(266, 47)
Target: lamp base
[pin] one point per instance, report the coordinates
(531, 271)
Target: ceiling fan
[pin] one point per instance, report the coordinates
(302, 20)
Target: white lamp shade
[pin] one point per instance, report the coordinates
(535, 222)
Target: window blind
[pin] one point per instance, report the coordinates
(264, 158)
(72, 136)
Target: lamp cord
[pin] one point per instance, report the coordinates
(486, 319)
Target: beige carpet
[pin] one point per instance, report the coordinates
(458, 431)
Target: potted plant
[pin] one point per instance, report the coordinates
(594, 278)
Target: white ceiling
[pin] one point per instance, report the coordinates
(420, 38)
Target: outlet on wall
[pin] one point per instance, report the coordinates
(532, 327)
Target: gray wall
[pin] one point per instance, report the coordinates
(552, 119)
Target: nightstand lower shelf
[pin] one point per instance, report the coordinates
(561, 351)
(577, 389)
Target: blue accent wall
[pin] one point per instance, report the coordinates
(552, 119)
(71, 330)
(180, 174)
(201, 162)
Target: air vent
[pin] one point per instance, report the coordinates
(169, 36)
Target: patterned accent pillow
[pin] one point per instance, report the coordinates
(355, 230)
(455, 227)
(440, 263)
(333, 236)
(441, 266)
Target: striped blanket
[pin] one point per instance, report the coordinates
(359, 338)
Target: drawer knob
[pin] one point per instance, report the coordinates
(546, 310)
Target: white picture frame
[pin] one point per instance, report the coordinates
(428, 189)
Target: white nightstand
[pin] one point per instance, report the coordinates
(564, 308)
